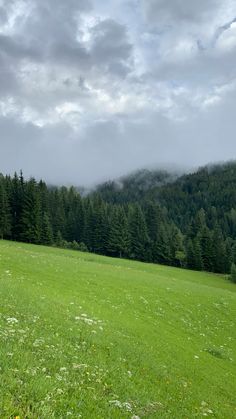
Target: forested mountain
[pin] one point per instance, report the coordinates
(135, 187)
(187, 221)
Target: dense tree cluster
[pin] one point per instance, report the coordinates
(188, 222)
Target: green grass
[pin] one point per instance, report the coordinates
(93, 337)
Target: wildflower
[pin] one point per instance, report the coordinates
(12, 320)
(127, 406)
(60, 391)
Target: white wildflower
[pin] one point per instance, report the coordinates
(12, 320)
(127, 406)
(60, 391)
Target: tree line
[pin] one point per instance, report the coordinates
(144, 230)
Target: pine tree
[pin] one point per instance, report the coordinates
(206, 244)
(139, 239)
(161, 249)
(5, 220)
(190, 254)
(31, 213)
(80, 219)
(177, 251)
(16, 204)
(154, 220)
(219, 251)
(88, 224)
(193, 254)
(233, 273)
(119, 240)
(100, 231)
(59, 242)
(198, 262)
(229, 246)
(46, 231)
(57, 212)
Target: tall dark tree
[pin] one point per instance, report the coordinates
(219, 262)
(5, 217)
(119, 240)
(193, 254)
(30, 222)
(139, 239)
(206, 244)
(17, 191)
(46, 236)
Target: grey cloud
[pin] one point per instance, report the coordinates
(8, 80)
(3, 16)
(176, 11)
(17, 50)
(110, 148)
(110, 46)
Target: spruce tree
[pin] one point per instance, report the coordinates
(219, 251)
(59, 242)
(162, 249)
(139, 239)
(233, 273)
(16, 204)
(198, 261)
(101, 227)
(5, 219)
(31, 213)
(206, 244)
(119, 240)
(46, 231)
(190, 254)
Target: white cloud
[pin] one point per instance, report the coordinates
(227, 41)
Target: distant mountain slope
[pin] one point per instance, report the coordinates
(212, 188)
(136, 186)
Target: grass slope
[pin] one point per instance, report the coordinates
(93, 337)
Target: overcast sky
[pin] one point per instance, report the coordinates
(94, 89)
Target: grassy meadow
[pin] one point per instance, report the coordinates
(84, 336)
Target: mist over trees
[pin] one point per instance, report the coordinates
(189, 222)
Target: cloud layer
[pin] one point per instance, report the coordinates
(91, 90)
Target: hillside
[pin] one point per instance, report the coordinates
(135, 187)
(95, 337)
(209, 187)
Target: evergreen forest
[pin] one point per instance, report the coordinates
(185, 221)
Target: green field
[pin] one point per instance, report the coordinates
(94, 337)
